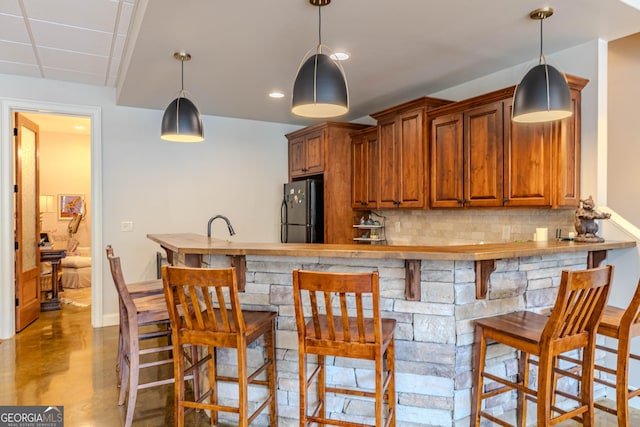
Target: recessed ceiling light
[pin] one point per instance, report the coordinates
(276, 94)
(79, 127)
(339, 56)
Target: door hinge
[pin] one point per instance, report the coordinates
(17, 302)
(15, 245)
(15, 131)
(15, 188)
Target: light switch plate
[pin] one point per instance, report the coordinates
(126, 226)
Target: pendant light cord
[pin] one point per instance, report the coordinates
(542, 60)
(182, 77)
(319, 26)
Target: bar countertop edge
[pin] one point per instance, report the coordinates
(191, 243)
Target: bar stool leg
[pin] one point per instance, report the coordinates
(213, 382)
(379, 392)
(271, 354)
(391, 391)
(480, 351)
(304, 388)
(243, 399)
(622, 382)
(523, 378)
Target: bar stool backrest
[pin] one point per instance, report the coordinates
(582, 296)
(337, 306)
(121, 285)
(203, 300)
(631, 316)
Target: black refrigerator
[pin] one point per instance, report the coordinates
(302, 213)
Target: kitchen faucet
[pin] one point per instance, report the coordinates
(229, 226)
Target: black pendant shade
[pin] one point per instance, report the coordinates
(320, 89)
(182, 122)
(542, 95)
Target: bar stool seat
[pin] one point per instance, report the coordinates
(572, 325)
(348, 334)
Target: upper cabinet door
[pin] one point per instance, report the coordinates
(297, 157)
(412, 156)
(566, 148)
(315, 153)
(527, 163)
(447, 163)
(483, 150)
(364, 169)
(389, 173)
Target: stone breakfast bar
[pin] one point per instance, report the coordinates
(434, 293)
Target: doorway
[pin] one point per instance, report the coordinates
(64, 170)
(7, 211)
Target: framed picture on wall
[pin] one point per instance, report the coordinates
(70, 204)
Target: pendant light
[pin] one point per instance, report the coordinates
(543, 94)
(320, 88)
(181, 121)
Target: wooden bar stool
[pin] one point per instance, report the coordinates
(204, 309)
(338, 327)
(573, 323)
(136, 314)
(622, 325)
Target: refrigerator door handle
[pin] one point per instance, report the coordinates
(283, 221)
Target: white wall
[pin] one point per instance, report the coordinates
(164, 187)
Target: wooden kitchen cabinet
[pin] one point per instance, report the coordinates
(480, 158)
(402, 142)
(364, 168)
(306, 154)
(325, 151)
(466, 158)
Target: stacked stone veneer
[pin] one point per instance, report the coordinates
(434, 336)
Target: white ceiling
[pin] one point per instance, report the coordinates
(242, 50)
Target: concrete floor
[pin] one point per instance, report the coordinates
(61, 361)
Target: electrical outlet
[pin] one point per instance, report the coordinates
(126, 226)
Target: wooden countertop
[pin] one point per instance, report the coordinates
(188, 243)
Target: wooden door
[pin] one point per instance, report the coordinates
(527, 164)
(372, 172)
(483, 165)
(27, 223)
(315, 153)
(447, 161)
(297, 157)
(388, 169)
(358, 172)
(566, 153)
(364, 169)
(412, 157)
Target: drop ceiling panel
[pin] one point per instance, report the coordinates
(73, 76)
(96, 15)
(12, 28)
(17, 52)
(68, 60)
(76, 39)
(19, 69)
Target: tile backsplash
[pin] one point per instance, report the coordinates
(467, 226)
